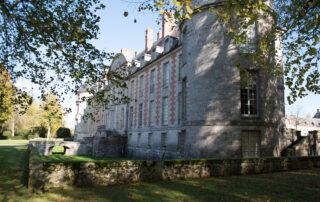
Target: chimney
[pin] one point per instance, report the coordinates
(127, 53)
(168, 24)
(149, 39)
(159, 35)
(136, 53)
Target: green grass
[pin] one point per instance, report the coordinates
(283, 186)
(14, 141)
(58, 149)
(69, 158)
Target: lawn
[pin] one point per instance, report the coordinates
(14, 142)
(67, 158)
(284, 186)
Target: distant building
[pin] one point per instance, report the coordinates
(188, 100)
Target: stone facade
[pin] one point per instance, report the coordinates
(188, 100)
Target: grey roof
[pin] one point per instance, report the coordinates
(317, 115)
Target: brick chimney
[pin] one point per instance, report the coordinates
(168, 24)
(127, 53)
(149, 39)
(159, 35)
(136, 53)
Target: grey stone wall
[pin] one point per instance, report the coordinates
(43, 176)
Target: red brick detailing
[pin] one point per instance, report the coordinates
(173, 89)
(136, 104)
(146, 99)
(158, 95)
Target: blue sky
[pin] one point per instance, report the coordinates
(117, 31)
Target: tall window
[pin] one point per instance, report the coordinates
(184, 99)
(249, 93)
(132, 90)
(152, 80)
(248, 45)
(122, 118)
(180, 67)
(181, 140)
(149, 140)
(151, 113)
(141, 86)
(166, 75)
(250, 143)
(131, 117)
(139, 140)
(163, 141)
(165, 111)
(140, 115)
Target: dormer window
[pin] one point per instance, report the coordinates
(153, 54)
(166, 45)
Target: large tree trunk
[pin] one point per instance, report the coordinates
(49, 130)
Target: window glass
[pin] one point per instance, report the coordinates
(249, 93)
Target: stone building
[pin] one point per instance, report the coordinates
(188, 100)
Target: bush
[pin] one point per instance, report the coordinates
(7, 133)
(63, 133)
(23, 133)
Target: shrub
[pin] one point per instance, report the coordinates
(63, 133)
(23, 133)
(7, 133)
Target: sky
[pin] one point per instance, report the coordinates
(117, 31)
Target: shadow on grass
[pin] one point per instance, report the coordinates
(288, 186)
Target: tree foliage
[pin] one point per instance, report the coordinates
(6, 104)
(51, 113)
(297, 21)
(49, 42)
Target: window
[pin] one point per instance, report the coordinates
(151, 113)
(132, 90)
(165, 111)
(149, 140)
(141, 86)
(250, 142)
(129, 138)
(184, 99)
(248, 45)
(131, 117)
(152, 81)
(122, 119)
(140, 115)
(138, 140)
(163, 141)
(179, 107)
(166, 75)
(249, 94)
(180, 67)
(181, 140)
(166, 45)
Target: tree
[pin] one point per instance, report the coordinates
(6, 105)
(48, 40)
(52, 114)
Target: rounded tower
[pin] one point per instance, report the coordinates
(229, 112)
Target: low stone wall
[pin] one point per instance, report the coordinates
(71, 148)
(43, 176)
